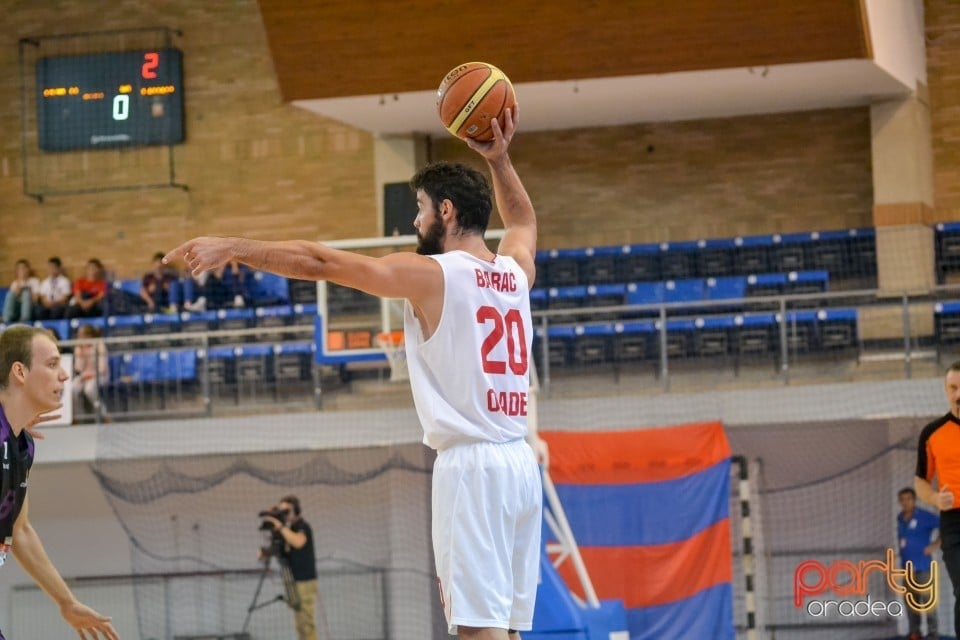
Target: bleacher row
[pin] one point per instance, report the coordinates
(845, 255)
(682, 274)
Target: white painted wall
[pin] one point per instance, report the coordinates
(897, 33)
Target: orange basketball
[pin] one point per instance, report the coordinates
(470, 96)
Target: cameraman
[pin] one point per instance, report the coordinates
(297, 552)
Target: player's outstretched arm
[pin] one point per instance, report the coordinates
(397, 275)
(31, 555)
(519, 218)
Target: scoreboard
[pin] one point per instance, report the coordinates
(109, 100)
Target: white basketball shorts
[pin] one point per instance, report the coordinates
(487, 504)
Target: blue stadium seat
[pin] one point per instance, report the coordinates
(252, 367)
(753, 336)
(269, 289)
(837, 328)
(634, 340)
(59, 327)
(118, 326)
(140, 367)
(566, 297)
(233, 320)
(131, 286)
(712, 335)
(829, 252)
(198, 321)
(179, 365)
(716, 257)
(789, 252)
(639, 263)
(766, 284)
(98, 322)
(606, 295)
(683, 291)
(302, 291)
(160, 324)
(801, 330)
(806, 283)
(563, 267)
(3, 295)
(274, 316)
(591, 343)
(560, 344)
(303, 313)
(753, 254)
(599, 266)
(645, 293)
(728, 288)
(538, 299)
(947, 249)
(946, 322)
(678, 260)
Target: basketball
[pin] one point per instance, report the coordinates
(471, 95)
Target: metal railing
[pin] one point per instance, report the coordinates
(907, 343)
(786, 316)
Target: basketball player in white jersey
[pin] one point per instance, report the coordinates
(468, 340)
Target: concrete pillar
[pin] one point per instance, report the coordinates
(902, 157)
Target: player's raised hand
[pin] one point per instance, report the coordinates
(88, 623)
(502, 135)
(203, 254)
(39, 419)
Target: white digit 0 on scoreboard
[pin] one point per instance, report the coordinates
(121, 106)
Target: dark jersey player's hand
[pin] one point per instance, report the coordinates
(89, 624)
(45, 417)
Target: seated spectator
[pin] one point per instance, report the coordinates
(88, 292)
(91, 366)
(54, 292)
(18, 306)
(155, 289)
(218, 289)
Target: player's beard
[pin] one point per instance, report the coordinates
(431, 242)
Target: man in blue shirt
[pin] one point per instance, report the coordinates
(915, 535)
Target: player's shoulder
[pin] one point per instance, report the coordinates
(933, 425)
(522, 265)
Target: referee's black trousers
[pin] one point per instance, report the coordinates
(950, 545)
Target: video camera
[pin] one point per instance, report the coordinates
(275, 541)
(272, 512)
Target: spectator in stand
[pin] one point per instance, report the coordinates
(155, 289)
(55, 292)
(220, 288)
(89, 292)
(18, 305)
(91, 367)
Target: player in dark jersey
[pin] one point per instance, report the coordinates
(31, 383)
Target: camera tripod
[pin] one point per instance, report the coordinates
(290, 595)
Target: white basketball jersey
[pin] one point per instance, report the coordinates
(470, 378)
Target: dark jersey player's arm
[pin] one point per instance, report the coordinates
(31, 555)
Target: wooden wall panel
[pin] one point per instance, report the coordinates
(341, 48)
(943, 77)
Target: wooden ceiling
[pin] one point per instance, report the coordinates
(336, 48)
